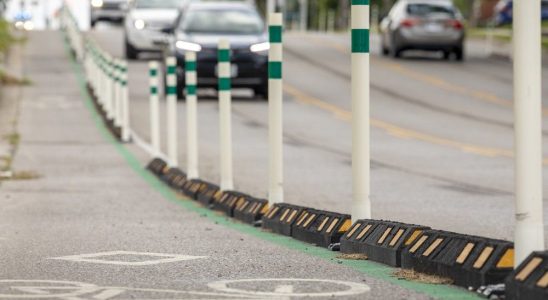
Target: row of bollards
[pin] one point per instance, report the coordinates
(107, 77)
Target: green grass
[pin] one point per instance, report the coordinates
(502, 34)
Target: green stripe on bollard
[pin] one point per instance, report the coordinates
(171, 69)
(153, 73)
(275, 34)
(360, 40)
(153, 90)
(275, 70)
(191, 89)
(190, 66)
(360, 2)
(224, 84)
(224, 55)
(171, 90)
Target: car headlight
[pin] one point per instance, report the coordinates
(97, 3)
(28, 25)
(188, 46)
(139, 24)
(261, 47)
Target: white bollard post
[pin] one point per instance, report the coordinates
(529, 230)
(361, 205)
(225, 99)
(171, 106)
(192, 115)
(275, 104)
(153, 67)
(125, 109)
(117, 92)
(108, 87)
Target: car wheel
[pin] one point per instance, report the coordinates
(131, 52)
(261, 92)
(394, 51)
(446, 55)
(93, 22)
(459, 53)
(385, 51)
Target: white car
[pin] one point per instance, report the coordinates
(145, 23)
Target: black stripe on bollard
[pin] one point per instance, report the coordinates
(250, 210)
(157, 166)
(530, 279)
(281, 217)
(380, 241)
(470, 261)
(321, 228)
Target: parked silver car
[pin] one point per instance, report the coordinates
(110, 10)
(432, 25)
(145, 23)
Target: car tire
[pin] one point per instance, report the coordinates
(459, 54)
(394, 50)
(446, 55)
(385, 51)
(93, 22)
(131, 52)
(261, 92)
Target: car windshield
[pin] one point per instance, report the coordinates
(424, 10)
(158, 3)
(216, 21)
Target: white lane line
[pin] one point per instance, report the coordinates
(109, 294)
(161, 258)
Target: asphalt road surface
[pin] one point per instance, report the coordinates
(442, 133)
(90, 223)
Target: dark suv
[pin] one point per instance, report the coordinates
(199, 28)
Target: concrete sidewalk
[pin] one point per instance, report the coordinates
(95, 225)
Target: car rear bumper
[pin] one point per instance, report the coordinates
(446, 42)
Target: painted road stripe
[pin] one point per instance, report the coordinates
(483, 96)
(375, 270)
(400, 132)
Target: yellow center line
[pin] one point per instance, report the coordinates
(398, 131)
(429, 79)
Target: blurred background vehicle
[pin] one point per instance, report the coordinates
(503, 12)
(108, 10)
(200, 27)
(432, 25)
(145, 22)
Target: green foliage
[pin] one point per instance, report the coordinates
(6, 38)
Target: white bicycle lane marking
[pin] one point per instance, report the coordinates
(161, 258)
(279, 288)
